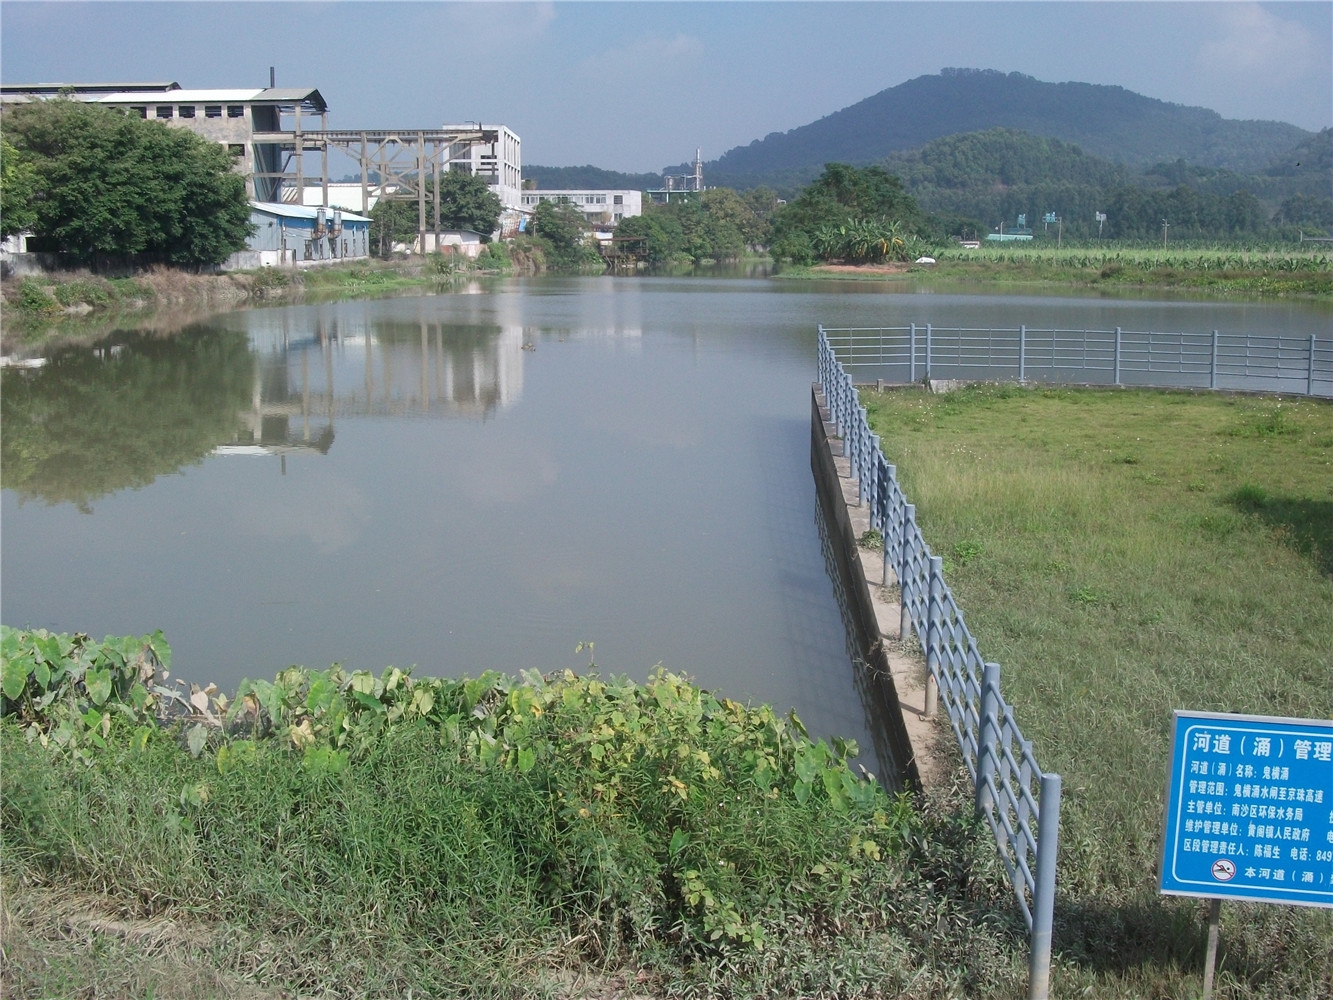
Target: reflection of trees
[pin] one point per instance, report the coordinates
(91, 423)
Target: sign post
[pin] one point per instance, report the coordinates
(1249, 813)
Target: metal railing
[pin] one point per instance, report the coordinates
(1215, 360)
(1020, 802)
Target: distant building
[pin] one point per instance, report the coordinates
(499, 163)
(598, 207)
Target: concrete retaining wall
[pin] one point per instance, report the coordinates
(894, 679)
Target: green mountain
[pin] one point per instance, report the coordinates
(1108, 122)
(588, 178)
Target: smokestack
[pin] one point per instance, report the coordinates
(272, 78)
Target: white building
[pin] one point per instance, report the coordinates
(599, 207)
(499, 163)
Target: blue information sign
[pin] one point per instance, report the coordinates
(1249, 809)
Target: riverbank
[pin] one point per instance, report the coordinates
(565, 835)
(1220, 274)
(79, 307)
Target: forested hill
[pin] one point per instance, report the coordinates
(1109, 122)
(588, 178)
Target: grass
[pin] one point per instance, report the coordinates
(1123, 554)
(352, 836)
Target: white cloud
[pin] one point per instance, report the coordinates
(1256, 46)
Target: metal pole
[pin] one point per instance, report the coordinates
(1210, 956)
(1309, 383)
(890, 476)
(1022, 350)
(904, 580)
(1212, 365)
(927, 352)
(988, 735)
(1117, 355)
(935, 595)
(875, 520)
(1043, 900)
(911, 353)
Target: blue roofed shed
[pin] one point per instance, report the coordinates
(301, 236)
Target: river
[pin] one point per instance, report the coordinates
(480, 479)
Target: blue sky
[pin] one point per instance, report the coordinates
(638, 86)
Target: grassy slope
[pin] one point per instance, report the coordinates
(1122, 554)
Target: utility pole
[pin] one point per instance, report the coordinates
(1165, 225)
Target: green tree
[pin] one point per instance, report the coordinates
(111, 183)
(18, 182)
(840, 196)
(563, 232)
(467, 203)
(393, 220)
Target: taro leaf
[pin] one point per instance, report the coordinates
(802, 791)
(320, 696)
(48, 647)
(526, 759)
(197, 738)
(679, 841)
(10, 640)
(98, 683)
(157, 642)
(423, 700)
(42, 674)
(15, 676)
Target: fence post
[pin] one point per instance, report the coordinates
(1117, 355)
(862, 456)
(1212, 366)
(1043, 900)
(874, 484)
(904, 578)
(890, 478)
(1022, 352)
(988, 734)
(927, 352)
(911, 354)
(934, 605)
(1309, 382)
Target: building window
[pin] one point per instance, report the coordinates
(164, 111)
(236, 148)
(620, 200)
(141, 111)
(187, 110)
(235, 110)
(212, 110)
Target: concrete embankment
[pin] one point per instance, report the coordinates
(894, 674)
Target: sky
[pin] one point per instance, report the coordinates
(639, 86)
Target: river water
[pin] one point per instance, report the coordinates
(479, 479)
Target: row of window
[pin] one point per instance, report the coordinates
(189, 110)
(578, 199)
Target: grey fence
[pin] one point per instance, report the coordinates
(1019, 801)
(1214, 360)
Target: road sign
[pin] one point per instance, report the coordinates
(1249, 810)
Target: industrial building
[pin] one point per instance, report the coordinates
(281, 141)
(598, 207)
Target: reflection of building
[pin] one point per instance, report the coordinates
(335, 366)
(607, 207)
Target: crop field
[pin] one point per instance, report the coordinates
(1122, 554)
(1148, 259)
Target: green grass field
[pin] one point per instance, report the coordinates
(1123, 554)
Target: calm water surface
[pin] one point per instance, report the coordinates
(474, 480)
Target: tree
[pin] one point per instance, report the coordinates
(562, 230)
(393, 220)
(842, 195)
(18, 181)
(111, 183)
(467, 203)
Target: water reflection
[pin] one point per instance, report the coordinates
(93, 422)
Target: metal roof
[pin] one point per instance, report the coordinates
(87, 88)
(302, 211)
(308, 97)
